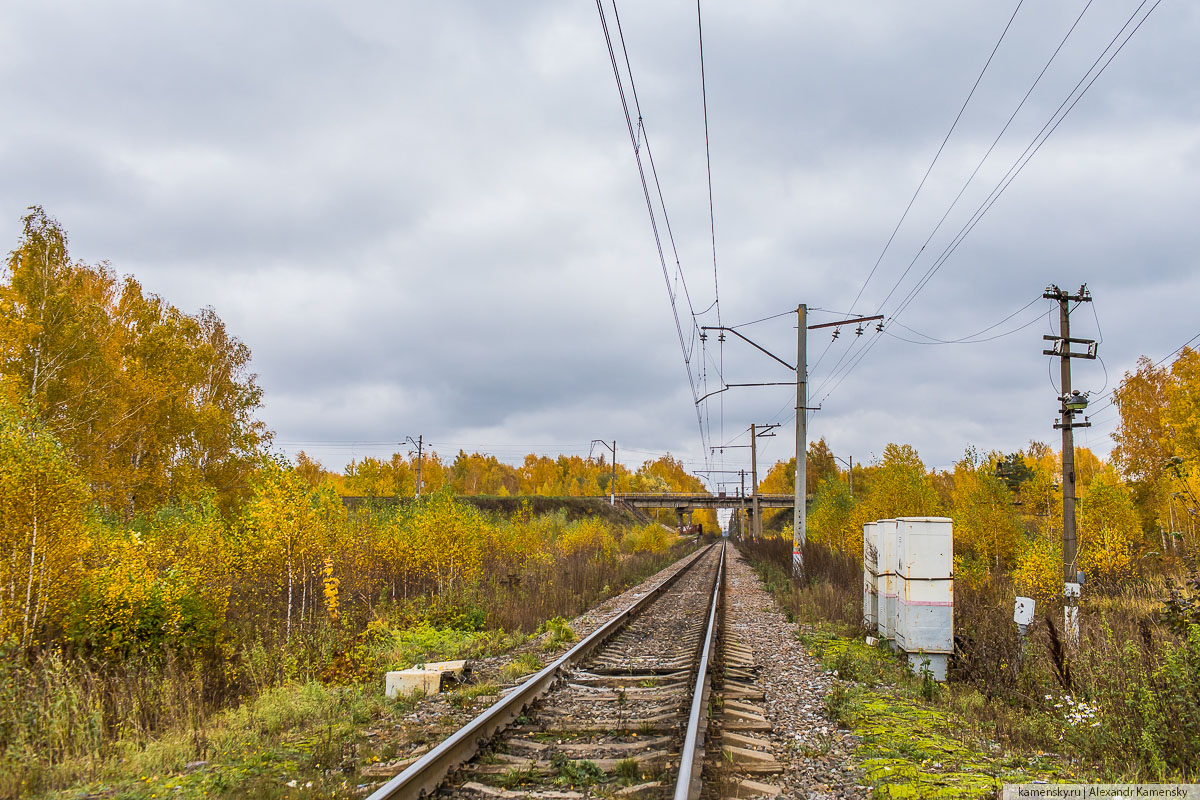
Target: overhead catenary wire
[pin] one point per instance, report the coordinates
(645, 141)
(641, 136)
(712, 221)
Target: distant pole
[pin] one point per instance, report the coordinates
(756, 522)
(612, 485)
(799, 517)
(849, 462)
(612, 499)
(1062, 349)
(742, 516)
(420, 446)
(419, 442)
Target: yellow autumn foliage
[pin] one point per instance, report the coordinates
(588, 536)
(442, 542)
(43, 529)
(651, 538)
(1110, 540)
(1039, 569)
(985, 524)
(131, 604)
(832, 519)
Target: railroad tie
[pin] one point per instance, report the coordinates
(746, 753)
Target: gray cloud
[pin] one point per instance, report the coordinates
(427, 219)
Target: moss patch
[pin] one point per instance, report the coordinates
(908, 747)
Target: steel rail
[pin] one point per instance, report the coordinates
(428, 772)
(691, 757)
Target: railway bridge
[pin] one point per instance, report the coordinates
(686, 502)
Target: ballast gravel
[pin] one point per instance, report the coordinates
(813, 750)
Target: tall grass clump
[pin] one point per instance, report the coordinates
(831, 586)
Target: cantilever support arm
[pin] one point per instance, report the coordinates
(753, 344)
(729, 386)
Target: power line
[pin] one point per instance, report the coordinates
(937, 155)
(988, 153)
(972, 338)
(1030, 151)
(1112, 392)
(1018, 165)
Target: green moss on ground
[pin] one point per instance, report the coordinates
(910, 746)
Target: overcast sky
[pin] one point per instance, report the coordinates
(426, 218)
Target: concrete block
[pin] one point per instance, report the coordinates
(426, 678)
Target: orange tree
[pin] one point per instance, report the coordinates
(155, 405)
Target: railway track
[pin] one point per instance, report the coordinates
(623, 713)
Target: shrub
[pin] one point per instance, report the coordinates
(1149, 697)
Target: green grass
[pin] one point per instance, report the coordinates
(424, 643)
(304, 733)
(522, 665)
(465, 697)
(558, 633)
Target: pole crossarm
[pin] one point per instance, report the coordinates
(845, 322)
(1054, 293)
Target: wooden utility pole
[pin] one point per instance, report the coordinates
(1070, 403)
(800, 515)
